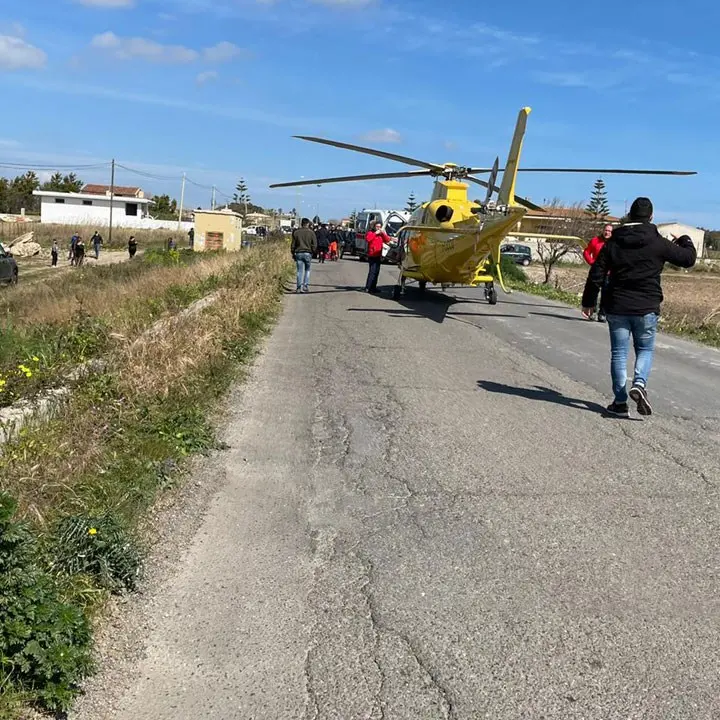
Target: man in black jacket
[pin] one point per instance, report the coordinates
(323, 242)
(632, 260)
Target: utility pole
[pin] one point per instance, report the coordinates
(112, 193)
(212, 204)
(182, 200)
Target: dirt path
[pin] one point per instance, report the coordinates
(36, 269)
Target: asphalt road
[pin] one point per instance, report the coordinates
(425, 514)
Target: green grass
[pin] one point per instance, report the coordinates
(86, 479)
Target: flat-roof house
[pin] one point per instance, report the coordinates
(91, 207)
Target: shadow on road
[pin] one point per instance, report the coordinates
(541, 393)
(559, 316)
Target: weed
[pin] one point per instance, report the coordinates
(100, 547)
(44, 643)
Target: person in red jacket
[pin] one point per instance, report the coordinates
(375, 239)
(590, 254)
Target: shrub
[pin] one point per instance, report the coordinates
(45, 644)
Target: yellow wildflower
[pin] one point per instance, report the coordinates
(92, 531)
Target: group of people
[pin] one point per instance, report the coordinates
(307, 241)
(331, 240)
(626, 264)
(76, 251)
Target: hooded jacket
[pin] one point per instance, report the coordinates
(633, 260)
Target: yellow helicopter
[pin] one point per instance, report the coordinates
(450, 239)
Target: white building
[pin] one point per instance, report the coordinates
(130, 208)
(697, 235)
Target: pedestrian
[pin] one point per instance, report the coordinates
(79, 252)
(71, 253)
(375, 240)
(97, 241)
(323, 242)
(132, 246)
(304, 244)
(590, 254)
(191, 238)
(632, 261)
(54, 252)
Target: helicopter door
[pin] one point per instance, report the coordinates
(393, 224)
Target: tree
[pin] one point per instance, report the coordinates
(21, 193)
(412, 205)
(598, 208)
(64, 183)
(572, 221)
(71, 183)
(164, 208)
(242, 196)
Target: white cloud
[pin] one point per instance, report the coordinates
(206, 77)
(382, 136)
(222, 52)
(16, 54)
(107, 3)
(129, 48)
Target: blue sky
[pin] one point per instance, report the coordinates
(216, 88)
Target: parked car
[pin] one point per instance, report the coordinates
(521, 254)
(8, 267)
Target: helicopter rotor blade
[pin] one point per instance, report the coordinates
(609, 171)
(353, 178)
(376, 153)
(518, 199)
(492, 179)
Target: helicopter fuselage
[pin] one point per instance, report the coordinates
(451, 240)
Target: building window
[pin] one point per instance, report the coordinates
(87, 202)
(60, 200)
(131, 209)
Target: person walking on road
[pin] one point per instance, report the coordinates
(590, 254)
(79, 252)
(632, 261)
(97, 241)
(132, 247)
(323, 242)
(375, 240)
(303, 246)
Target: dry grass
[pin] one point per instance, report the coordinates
(691, 299)
(70, 463)
(102, 291)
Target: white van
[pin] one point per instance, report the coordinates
(392, 221)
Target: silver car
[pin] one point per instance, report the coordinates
(8, 267)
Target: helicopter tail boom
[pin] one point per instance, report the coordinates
(506, 196)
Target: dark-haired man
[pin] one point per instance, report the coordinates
(304, 244)
(632, 260)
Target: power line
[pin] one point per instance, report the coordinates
(29, 166)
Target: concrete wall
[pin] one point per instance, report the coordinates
(229, 224)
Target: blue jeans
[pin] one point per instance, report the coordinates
(642, 329)
(303, 261)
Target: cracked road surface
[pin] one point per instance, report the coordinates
(425, 515)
